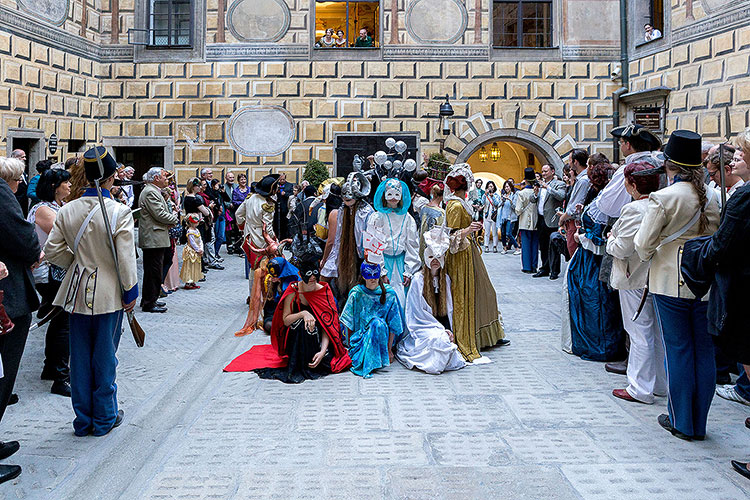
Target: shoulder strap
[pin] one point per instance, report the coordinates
(691, 222)
(87, 220)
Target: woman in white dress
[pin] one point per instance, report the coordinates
(430, 345)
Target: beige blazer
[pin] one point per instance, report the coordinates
(155, 218)
(629, 272)
(669, 210)
(253, 212)
(526, 209)
(90, 285)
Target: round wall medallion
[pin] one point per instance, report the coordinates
(436, 21)
(260, 130)
(258, 20)
(53, 11)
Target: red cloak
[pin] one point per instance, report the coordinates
(274, 355)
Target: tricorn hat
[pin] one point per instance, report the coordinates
(639, 131)
(529, 174)
(265, 185)
(91, 165)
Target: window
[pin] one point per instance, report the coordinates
(522, 23)
(653, 28)
(170, 23)
(347, 24)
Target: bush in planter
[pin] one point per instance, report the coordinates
(315, 172)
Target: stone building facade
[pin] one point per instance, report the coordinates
(251, 92)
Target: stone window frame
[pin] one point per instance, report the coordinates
(359, 54)
(196, 53)
(637, 46)
(552, 53)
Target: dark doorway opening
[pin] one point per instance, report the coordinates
(34, 152)
(141, 158)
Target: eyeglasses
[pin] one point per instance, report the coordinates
(18, 180)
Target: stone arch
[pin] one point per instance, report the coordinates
(534, 143)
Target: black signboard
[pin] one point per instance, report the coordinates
(651, 119)
(52, 144)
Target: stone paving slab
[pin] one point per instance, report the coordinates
(535, 423)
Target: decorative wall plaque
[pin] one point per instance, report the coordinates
(259, 20)
(261, 130)
(53, 11)
(436, 21)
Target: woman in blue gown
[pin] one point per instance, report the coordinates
(374, 321)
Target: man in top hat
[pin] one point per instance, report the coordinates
(90, 291)
(526, 208)
(257, 210)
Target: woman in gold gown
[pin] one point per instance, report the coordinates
(476, 320)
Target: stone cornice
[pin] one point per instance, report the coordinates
(590, 53)
(437, 52)
(255, 52)
(712, 25)
(23, 25)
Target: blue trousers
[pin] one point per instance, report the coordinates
(742, 386)
(220, 228)
(529, 249)
(93, 364)
(506, 234)
(689, 358)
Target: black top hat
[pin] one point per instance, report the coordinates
(91, 165)
(684, 149)
(529, 174)
(639, 131)
(253, 185)
(265, 185)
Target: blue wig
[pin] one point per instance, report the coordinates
(380, 198)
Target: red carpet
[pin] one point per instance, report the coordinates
(259, 356)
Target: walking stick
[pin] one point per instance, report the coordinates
(138, 334)
(722, 176)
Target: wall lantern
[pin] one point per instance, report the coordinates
(446, 110)
(494, 152)
(483, 155)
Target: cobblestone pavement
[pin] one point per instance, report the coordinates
(535, 423)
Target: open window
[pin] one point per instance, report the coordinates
(522, 23)
(347, 24)
(653, 26)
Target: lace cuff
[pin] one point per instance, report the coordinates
(458, 243)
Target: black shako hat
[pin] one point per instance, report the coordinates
(639, 131)
(91, 165)
(529, 174)
(265, 185)
(684, 149)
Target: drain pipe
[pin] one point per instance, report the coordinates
(624, 77)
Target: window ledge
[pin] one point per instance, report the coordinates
(525, 54)
(347, 54)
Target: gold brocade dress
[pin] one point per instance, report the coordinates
(191, 261)
(476, 320)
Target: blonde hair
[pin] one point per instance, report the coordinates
(743, 141)
(10, 169)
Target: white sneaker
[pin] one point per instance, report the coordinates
(730, 394)
(503, 251)
(487, 249)
(517, 252)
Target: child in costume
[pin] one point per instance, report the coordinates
(191, 254)
(429, 344)
(374, 321)
(401, 253)
(280, 275)
(305, 332)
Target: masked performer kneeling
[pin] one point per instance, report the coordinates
(305, 331)
(280, 275)
(429, 344)
(374, 319)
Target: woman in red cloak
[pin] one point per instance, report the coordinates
(306, 332)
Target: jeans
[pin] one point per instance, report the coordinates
(507, 238)
(529, 249)
(220, 227)
(689, 356)
(742, 386)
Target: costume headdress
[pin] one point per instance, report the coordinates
(370, 271)
(309, 269)
(436, 244)
(458, 174)
(357, 186)
(392, 189)
(194, 218)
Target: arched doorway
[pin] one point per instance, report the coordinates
(519, 148)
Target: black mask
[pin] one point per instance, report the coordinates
(309, 269)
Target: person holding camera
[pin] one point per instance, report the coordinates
(491, 206)
(550, 195)
(526, 208)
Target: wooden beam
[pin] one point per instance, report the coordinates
(220, 16)
(394, 22)
(84, 18)
(115, 31)
(478, 21)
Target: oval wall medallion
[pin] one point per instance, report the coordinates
(53, 11)
(436, 21)
(259, 20)
(260, 130)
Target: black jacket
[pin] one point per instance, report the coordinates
(19, 250)
(721, 262)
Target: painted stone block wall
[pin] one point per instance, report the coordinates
(563, 103)
(45, 88)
